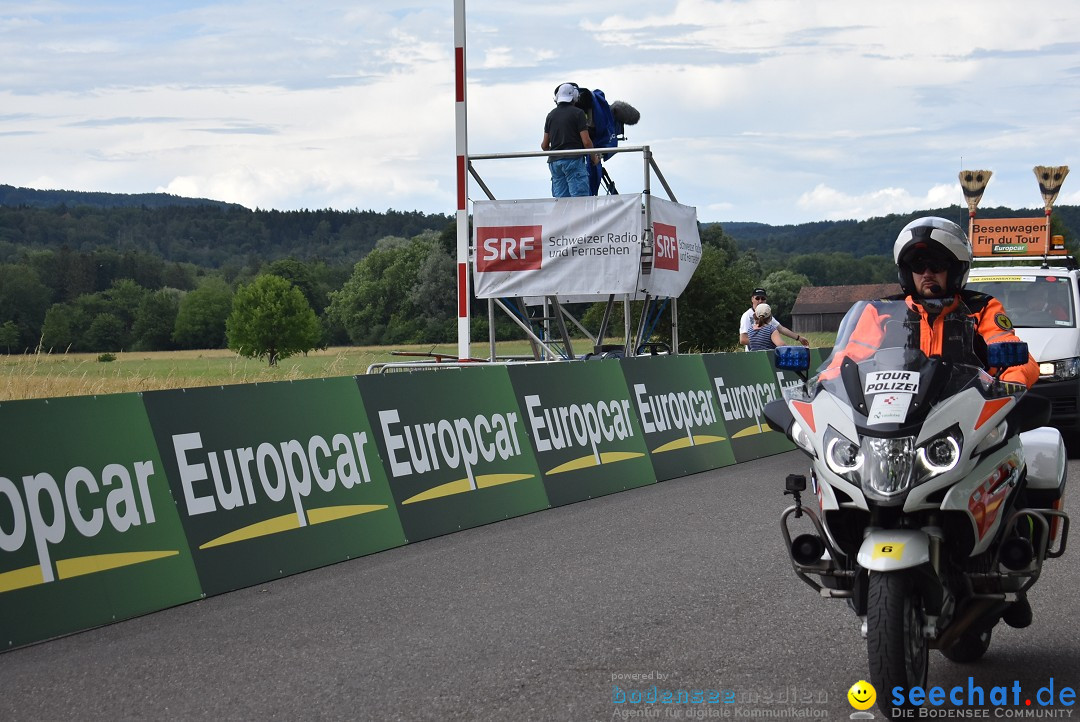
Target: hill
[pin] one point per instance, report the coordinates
(207, 233)
(873, 236)
(34, 198)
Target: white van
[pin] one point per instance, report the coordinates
(1043, 302)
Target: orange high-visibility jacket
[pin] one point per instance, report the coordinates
(941, 334)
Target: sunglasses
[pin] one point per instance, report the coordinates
(759, 298)
(921, 265)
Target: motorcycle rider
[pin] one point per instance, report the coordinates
(933, 257)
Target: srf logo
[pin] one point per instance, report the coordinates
(666, 253)
(508, 248)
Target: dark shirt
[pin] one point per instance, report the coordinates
(563, 127)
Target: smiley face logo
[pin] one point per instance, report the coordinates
(862, 695)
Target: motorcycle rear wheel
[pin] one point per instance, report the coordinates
(897, 651)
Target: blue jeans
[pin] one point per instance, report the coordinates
(569, 177)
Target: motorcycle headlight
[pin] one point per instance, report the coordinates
(940, 454)
(801, 438)
(1062, 370)
(889, 464)
(842, 455)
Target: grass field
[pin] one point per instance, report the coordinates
(37, 376)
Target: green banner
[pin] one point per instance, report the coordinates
(586, 436)
(273, 479)
(744, 383)
(676, 403)
(88, 530)
(454, 446)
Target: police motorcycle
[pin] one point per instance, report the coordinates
(938, 492)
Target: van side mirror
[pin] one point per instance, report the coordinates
(795, 358)
(1007, 354)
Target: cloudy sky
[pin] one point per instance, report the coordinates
(779, 111)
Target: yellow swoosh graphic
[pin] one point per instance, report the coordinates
(20, 578)
(684, 443)
(288, 522)
(68, 568)
(333, 513)
(585, 462)
(483, 481)
(78, 566)
(751, 431)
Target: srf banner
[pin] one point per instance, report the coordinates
(88, 530)
(583, 428)
(273, 479)
(454, 446)
(557, 246)
(680, 414)
(676, 248)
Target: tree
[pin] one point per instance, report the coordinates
(200, 320)
(270, 317)
(380, 303)
(783, 288)
(24, 299)
(155, 320)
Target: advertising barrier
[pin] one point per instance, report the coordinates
(273, 479)
(581, 423)
(89, 533)
(120, 505)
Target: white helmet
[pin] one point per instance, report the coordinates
(935, 237)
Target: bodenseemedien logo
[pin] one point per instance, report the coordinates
(43, 511)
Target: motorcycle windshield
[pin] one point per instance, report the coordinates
(879, 368)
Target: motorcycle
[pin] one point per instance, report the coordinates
(938, 491)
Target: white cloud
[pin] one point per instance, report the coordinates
(768, 110)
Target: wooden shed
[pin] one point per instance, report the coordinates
(821, 308)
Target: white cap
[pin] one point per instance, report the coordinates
(566, 93)
(763, 310)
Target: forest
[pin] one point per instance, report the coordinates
(106, 272)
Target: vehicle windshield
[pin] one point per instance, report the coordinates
(1030, 301)
(878, 369)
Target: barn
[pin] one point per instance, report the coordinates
(820, 308)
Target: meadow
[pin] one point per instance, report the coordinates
(45, 375)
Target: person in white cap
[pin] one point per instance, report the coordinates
(565, 129)
(747, 322)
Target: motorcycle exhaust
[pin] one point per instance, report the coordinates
(807, 549)
(1017, 553)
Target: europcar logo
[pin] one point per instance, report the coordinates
(508, 248)
(269, 474)
(467, 443)
(586, 426)
(666, 253)
(43, 511)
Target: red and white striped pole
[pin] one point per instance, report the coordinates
(464, 291)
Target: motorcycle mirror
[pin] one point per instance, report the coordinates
(1006, 354)
(792, 358)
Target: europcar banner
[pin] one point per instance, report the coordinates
(583, 428)
(454, 446)
(676, 248)
(557, 246)
(744, 383)
(88, 530)
(680, 415)
(273, 479)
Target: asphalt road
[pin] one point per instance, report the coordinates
(682, 585)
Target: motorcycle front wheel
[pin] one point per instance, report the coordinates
(896, 647)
